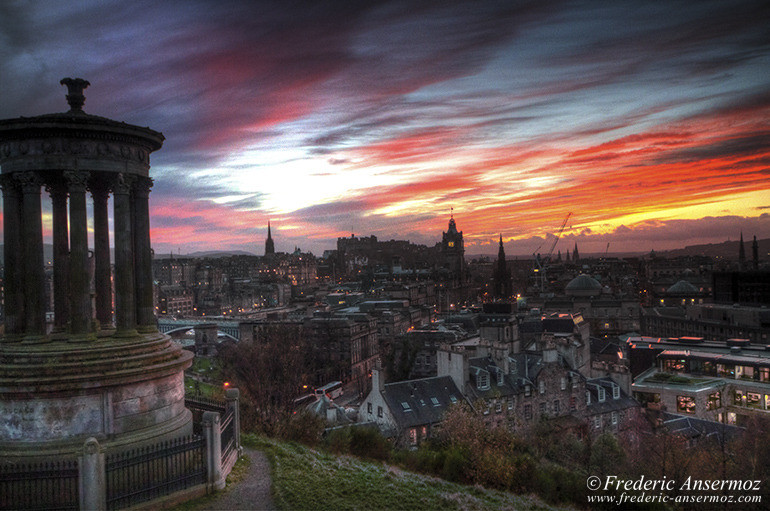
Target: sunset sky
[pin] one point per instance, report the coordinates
(648, 121)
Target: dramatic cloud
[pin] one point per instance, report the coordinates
(332, 117)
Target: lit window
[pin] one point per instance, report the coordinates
(685, 404)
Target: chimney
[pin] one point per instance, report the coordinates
(377, 380)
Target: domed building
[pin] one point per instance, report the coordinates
(683, 293)
(583, 286)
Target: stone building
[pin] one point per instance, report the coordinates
(344, 346)
(408, 411)
(97, 374)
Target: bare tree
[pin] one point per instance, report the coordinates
(270, 372)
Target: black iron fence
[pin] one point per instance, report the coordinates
(129, 477)
(150, 472)
(198, 405)
(47, 485)
(227, 435)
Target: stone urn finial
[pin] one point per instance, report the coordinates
(75, 96)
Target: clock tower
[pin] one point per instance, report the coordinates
(453, 250)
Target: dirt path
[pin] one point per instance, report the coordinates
(252, 493)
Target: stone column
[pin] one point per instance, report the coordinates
(145, 314)
(92, 477)
(213, 437)
(125, 313)
(102, 271)
(233, 397)
(61, 301)
(14, 264)
(80, 284)
(34, 270)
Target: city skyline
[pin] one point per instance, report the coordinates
(648, 122)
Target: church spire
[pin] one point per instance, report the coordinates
(269, 245)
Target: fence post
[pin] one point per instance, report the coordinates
(233, 400)
(213, 435)
(92, 477)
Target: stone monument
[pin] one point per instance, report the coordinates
(91, 373)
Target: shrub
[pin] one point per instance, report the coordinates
(368, 443)
(456, 465)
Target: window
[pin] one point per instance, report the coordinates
(482, 380)
(614, 418)
(510, 403)
(541, 386)
(434, 401)
(616, 392)
(527, 390)
(602, 395)
(379, 411)
(498, 407)
(528, 412)
(413, 436)
(685, 404)
(764, 374)
(714, 401)
(369, 408)
(499, 378)
(563, 383)
(556, 406)
(588, 397)
(739, 398)
(406, 406)
(452, 398)
(753, 400)
(572, 403)
(597, 421)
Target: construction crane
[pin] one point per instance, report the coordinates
(542, 264)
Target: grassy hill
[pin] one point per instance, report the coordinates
(304, 478)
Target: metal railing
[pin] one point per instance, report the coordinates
(47, 485)
(150, 472)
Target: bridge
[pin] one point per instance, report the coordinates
(227, 327)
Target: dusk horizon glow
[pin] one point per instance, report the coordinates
(648, 122)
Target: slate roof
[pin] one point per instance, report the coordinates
(692, 427)
(422, 401)
(609, 404)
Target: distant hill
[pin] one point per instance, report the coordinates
(726, 249)
(218, 253)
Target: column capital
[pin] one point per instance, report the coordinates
(77, 181)
(30, 182)
(99, 187)
(56, 189)
(8, 183)
(123, 183)
(142, 186)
